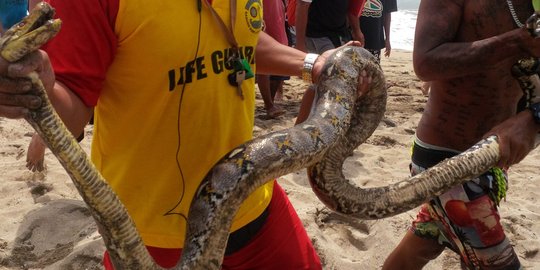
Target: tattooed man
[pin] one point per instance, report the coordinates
(466, 49)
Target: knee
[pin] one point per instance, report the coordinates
(431, 253)
(413, 252)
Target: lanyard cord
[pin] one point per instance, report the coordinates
(227, 31)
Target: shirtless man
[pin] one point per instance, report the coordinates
(466, 50)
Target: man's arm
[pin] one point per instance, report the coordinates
(302, 9)
(275, 58)
(387, 23)
(71, 109)
(354, 23)
(437, 56)
(353, 17)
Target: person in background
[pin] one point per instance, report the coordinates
(466, 50)
(324, 24)
(375, 25)
(291, 41)
(112, 57)
(289, 29)
(269, 85)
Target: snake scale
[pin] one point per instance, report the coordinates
(337, 125)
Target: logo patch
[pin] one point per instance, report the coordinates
(253, 15)
(373, 8)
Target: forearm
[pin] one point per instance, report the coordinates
(271, 56)
(446, 48)
(354, 23)
(71, 109)
(456, 59)
(387, 23)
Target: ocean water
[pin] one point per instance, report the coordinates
(408, 4)
(403, 25)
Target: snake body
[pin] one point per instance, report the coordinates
(254, 163)
(336, 127)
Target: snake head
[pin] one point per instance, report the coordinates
(29, 34)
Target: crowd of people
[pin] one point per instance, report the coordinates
(112, 57)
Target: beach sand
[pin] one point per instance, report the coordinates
(45, 225)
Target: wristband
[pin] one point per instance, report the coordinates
(309, 61)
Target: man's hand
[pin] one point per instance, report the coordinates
(363, 80)
(387, 48)
(529, 44)
(16, 93)
(516, 138)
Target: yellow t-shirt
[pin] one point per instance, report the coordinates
(167, 113)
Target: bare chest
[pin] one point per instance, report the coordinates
(487, 18)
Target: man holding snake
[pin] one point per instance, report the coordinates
(466, 49)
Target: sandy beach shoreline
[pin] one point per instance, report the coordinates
(45, 225)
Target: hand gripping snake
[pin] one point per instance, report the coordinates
(337, 125)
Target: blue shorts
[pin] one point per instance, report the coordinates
(465, 219)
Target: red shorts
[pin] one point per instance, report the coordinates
(281, 243)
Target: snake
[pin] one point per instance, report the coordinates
(340, 121)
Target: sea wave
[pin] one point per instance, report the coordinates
(402, 29)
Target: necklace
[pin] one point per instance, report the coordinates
(513, 12)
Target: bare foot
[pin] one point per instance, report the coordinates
(36, 154)
(275, 112)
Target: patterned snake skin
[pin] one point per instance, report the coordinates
(337, 125)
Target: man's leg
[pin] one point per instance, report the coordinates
(413, 252)
(276, 87)
(273, 111)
